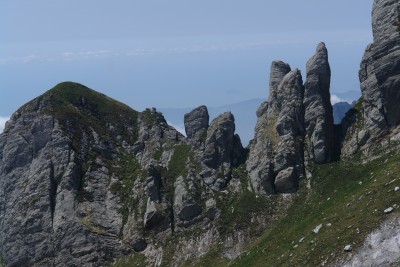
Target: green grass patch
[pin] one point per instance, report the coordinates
(240, 173)
(151, 118)
(212, 258)
(131, 260)
(177, 164)
(271, 133)
(237, 211)
(128, 172)
(76, 105)
(347, 198)
(158, 154)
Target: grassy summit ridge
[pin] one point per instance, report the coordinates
(83, 107)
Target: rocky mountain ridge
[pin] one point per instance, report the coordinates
(86, 179)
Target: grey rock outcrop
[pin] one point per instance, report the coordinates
(80, 185)
(196, 122)
(260, 165)
(380, 79)
(289, 157)
(318, 109)
(276, 161)
(85, 179)
(185, 207)
(222, 151)
(278, 70)
(260, 161)
(46, 216)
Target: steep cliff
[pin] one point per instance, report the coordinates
(74, 167)
(86, 179)
(378, 110)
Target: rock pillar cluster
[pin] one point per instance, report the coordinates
(294, 128)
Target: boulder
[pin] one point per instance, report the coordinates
(185, 208)
(348, 248)
(155, 218)
(388, 210)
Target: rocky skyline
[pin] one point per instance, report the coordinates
(191, 62)
(87, 180)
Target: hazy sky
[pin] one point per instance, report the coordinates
(175, 53)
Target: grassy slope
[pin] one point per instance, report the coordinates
(347, 195)
(348, 198)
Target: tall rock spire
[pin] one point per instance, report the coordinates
(260, 163)
(275, 162)
(289, 157)
(318, 109)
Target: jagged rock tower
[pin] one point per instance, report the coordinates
(276, 162)
(318, 109)
(295, 118)
(378, 111)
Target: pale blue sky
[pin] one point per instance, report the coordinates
(175, 53)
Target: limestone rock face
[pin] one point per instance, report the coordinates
(85, 179)
(380, 80)
(318, 109)
(47, 216)
(223, 150)
(196, 122)
(260, 161)
(73, 163)
(185, 207)
(278, 70)
(289, 157)
(276, 161)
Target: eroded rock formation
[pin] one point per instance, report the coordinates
(318, 109)
(378, 112)
(276, 162)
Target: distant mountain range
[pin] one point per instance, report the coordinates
(348, 96)
(339, 110)
(245, 113)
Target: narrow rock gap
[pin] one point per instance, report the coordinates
(53, 191)
(172, 217)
